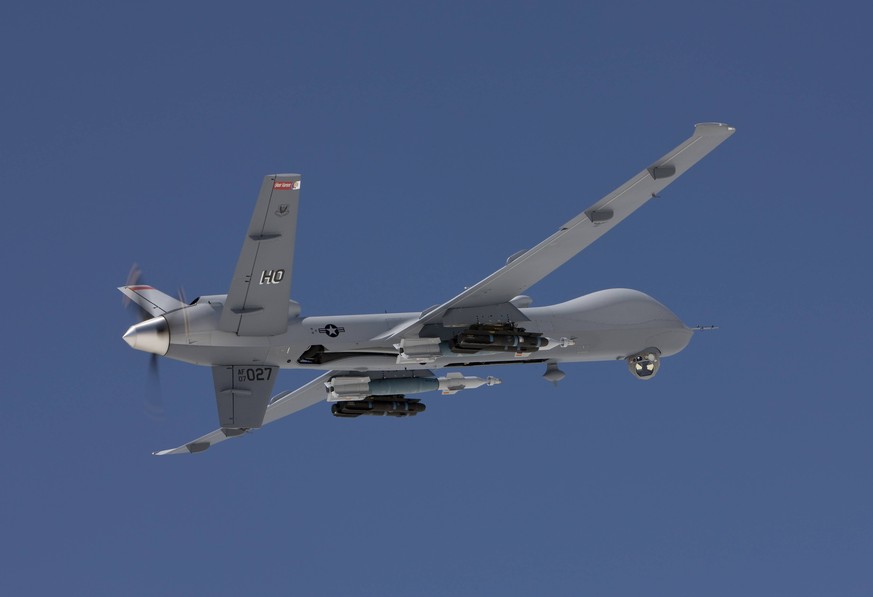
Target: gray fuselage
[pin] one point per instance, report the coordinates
(602, 326)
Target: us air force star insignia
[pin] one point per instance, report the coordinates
(331, 330)
(283, 210)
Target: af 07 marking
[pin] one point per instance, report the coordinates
(272, 276)
(253, 374)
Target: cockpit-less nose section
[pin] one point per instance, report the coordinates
(370, 363)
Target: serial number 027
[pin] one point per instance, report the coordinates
(254, 373)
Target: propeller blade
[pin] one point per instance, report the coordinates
(184, 300)
(134, 278)
(154, 403)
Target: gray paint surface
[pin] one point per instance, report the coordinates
(254, 330)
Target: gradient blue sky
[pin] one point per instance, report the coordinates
(140, 132)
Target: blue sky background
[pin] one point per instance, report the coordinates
(434, 141)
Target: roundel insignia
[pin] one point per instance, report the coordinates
(331, 330)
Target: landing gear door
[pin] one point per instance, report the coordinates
(242, 393)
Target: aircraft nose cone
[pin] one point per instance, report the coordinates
(149, 336)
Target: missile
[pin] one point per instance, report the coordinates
(345, 388)
(455, 382)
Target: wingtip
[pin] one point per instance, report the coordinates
(192, 448)
(714, 128)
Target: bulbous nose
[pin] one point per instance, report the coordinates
(152, 336)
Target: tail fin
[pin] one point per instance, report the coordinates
(151, 300)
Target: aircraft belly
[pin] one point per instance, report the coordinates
(336, 337)
(611, 344)
(219, 355)
(604, 344)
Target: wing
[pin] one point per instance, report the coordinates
(257, 303)
(280, 406)
(491, 296)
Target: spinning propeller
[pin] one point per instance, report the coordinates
(154, 404)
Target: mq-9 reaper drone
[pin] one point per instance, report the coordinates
(372, 363)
